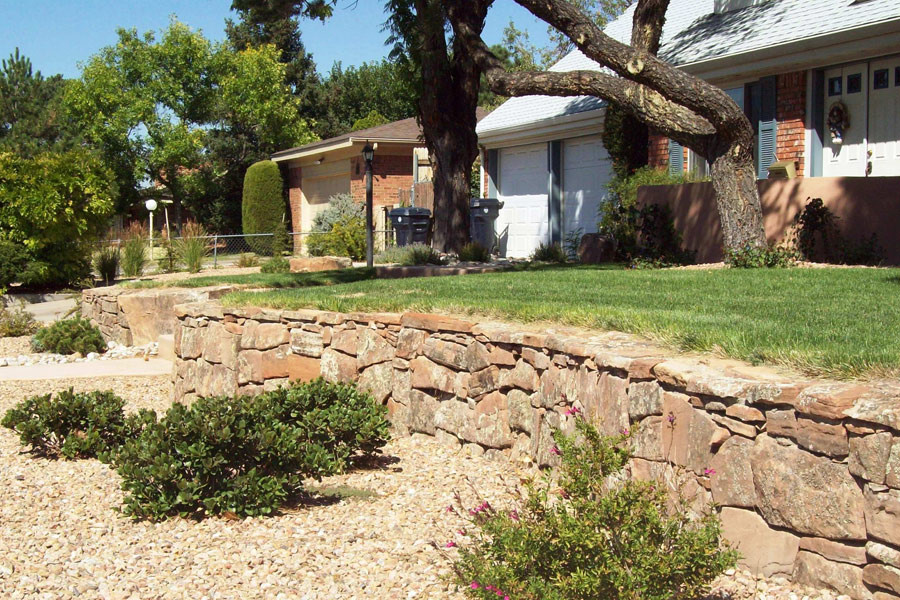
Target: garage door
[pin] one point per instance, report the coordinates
(524, 220)
(316, 193)
(586, 172)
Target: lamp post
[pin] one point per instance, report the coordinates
(151, 206)
(368, 153)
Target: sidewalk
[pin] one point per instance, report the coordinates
(124, 367)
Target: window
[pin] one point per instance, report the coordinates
(880, 79)
(854, 83)
(897, 76)
(834, 86)
(697, 165)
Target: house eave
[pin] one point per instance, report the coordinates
(306, 152)
(559, 127)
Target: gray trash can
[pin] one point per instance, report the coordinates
(483, 213)
(411, 224)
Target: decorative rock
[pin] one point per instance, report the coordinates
(377, 380)
(732, 483)
(319, 263)
(691, 438)
(829, 400)
(614, 403)
(264, 336)
(883, 514)
(471, 358)
(878, 404)
(307, 343)
(813, 570)
(422, 409)
(521, 416)
(435, 323)
(735, 426)
(484, 381)
(882, 576)
(492, 422)
(764, 551)
(822, 438)
(892, 472)
(346, 340)
(644, 399)
(409, 342)
(429, 375)
(373, 349)
(221, 346)
(745, 413)
(885, 554)
(647, 439)
(854, 555)
(523, 376)
(501, 357)
(536, 358)
(869, 456)
(337, 366)
(806, 493)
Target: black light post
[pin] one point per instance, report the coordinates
(368, 153)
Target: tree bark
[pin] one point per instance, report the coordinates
(673, 102)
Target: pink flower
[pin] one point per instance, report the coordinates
(574, 410)
(625, 431)
(709, 471)
(555, 450)
(461, 531)
(474, 585)
(671, 418)
(450, 545)
(449, 508)
(514, 515)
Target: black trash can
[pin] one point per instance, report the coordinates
(483, 213)
(411, 224)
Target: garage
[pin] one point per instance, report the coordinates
(524, 221)
(319, 186)
(586, 172)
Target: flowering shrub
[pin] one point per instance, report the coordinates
(591, 534)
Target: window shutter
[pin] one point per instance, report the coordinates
(768, 126)
(493, 168)
(676, 158)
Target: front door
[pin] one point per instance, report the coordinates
(846, 157)
(884, 117)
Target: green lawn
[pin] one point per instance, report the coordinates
(833, 322)
(262, 280)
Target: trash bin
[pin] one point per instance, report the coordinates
(483, 212)
(411, 224)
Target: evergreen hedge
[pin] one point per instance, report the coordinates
(263, 203)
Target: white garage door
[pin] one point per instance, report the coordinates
(524, 220)
(586, 171)
(316, 193)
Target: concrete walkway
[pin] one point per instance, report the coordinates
(47, 312)
(124, 367)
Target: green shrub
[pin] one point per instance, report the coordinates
(552, 253)
(106, 263)
(168, 260)
(280, 239)
(16, 321)
(248, 259)
(69, 336)
(341, 207)
(591, 534)
(391, 255)
(474, 252)
(818, 238)
(657, 237)
(276, 264)
(421, 254)
(83, 425)
(263, 204)
(572, 243)
(13, 258)
(246, 455)
(134, 251)
(193, 246)
(750, 257)
(346, 238)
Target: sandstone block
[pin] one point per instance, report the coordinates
(409, 342)
(377, 380)
(428, 322)
(732, 483)
(613, 409)
(883, 514)
(869, 456)
(892, 471)
(346, 340)
(337, 366)
(647, 439)
(836, 551)
(691, 439)
(373, 349)
(430, 375)
(319, 263)
(734, 426)
(818, 572)
(764, 551)
(422, 409)
(472, 357)
(823, 438)
(221, 346)
(884, 554)
(536, 358)
(521, 415)
(523, 377)
(192, 340)
(484, 381)
(829, 400)
(644, 399)
(884, 577)
(745, 413)
(501, 357)
(264, 336)
(307, 343)
(806, 493)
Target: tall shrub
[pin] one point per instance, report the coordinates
(263, 203)
(134, 250)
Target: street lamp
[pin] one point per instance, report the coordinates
(151, 205)
(368, 153)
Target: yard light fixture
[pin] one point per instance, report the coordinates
(151, 205)
(368, 153)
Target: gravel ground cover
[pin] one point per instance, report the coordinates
(17, 352)
(369, 533)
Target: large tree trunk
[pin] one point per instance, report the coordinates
(671, 101)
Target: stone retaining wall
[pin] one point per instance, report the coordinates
(807, 473)
(136, 317)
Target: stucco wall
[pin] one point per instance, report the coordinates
(863, 206)
(807, 473)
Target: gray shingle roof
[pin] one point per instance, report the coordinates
(694, 33)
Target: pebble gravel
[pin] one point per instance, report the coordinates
(380, 535)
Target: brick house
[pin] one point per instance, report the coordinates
(318, 171)
(788, 63)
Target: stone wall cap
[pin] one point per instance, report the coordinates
(700, 379)
(504, 333)
(432, 322)
(384, 318)
(307, 315)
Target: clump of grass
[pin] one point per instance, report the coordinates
(474, 252)
(193, 246)
(106, 263)
(248, 259)
(552, 253)
(134, 250)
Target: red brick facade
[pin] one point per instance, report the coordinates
(390, 173)
(791, 115)
(295, 177)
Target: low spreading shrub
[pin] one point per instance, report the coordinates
(592, 534)
(346, 237)
(193, 246)
(552, 253)
(248, 259)
(474, 252)
(134, 251)
(106, 263)
(421, 254)
(750, 257)
(246, 456)
(276, 264)
(70, 425)
(69, 336)
(340, 208)
(15, 321)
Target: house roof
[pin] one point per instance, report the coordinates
(403, 131)
(693, 33)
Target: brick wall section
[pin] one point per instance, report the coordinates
(806, 472)
(390, 174)
(658, 153)
(791, 114)
(295, 177)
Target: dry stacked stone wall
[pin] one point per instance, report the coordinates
(807, 473)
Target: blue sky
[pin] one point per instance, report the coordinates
(57, 34)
